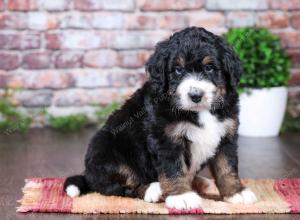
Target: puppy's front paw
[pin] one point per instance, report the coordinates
(188, 200)
(246, 196)
(153, 192)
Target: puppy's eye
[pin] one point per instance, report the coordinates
(178, 71)
(208, 68)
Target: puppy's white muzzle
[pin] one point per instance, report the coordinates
(195, 94)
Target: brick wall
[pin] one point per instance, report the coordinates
(67, 55)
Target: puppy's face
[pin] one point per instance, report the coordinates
(196, 68)
(197, 84)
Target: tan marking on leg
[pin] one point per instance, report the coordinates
(174, 186)
(128, 174)
(226, 179)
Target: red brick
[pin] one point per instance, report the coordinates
(295, 56)
(58, 5)
(41, 21)
(173, 22)
(71, 97)
(207, 19)
(127, 79)
(47, 79)
(285, 4)
(135, 22)
(273, 19)
(37, 60)
(9, 61)
(13, 21)
(170, 5)
(90, 78)
(106, 20)
(102, 58)
(2, 5)
(92, 5)
(240, 19)
(10, 41)
(53, 40)
(68, 60)
(19, 41)
(76, 39)
(133, 59)
(295, 20)
(295, 78)
(290, 39)
(3, 79)
(137, 39)
(39, 98)
(22, 5)
(75, 20)
(107, 78)
(104, 96)
(82, 97)
(221, 5)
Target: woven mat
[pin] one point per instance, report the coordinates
(46, 195)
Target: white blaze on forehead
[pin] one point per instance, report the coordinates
(192, 84)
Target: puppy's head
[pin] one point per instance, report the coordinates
(196, 68)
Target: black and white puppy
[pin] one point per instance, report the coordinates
(183, 118)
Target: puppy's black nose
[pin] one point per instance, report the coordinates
(196, 96)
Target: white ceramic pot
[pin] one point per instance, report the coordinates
(262, 112)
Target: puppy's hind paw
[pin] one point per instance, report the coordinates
(246, 196)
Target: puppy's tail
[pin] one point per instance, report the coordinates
(76, 186)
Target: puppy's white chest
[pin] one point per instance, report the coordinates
(205, 139)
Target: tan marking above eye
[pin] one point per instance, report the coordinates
(180, 61)
(206, 60)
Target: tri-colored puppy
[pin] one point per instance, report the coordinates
(183, 118)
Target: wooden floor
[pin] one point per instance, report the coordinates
(44, 153)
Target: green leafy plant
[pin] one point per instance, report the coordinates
(264, 60)
(103, 112)
(11, 120)
(69, 123)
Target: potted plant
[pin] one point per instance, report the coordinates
(263, 85)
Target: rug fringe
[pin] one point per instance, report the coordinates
(32, 194)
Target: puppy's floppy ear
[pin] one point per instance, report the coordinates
(231, 63)
(157, 68)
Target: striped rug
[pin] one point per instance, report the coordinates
(46, 195)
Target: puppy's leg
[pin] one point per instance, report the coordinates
(224, 168)
(175, 185)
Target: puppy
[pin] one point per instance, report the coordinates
(183, 118)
